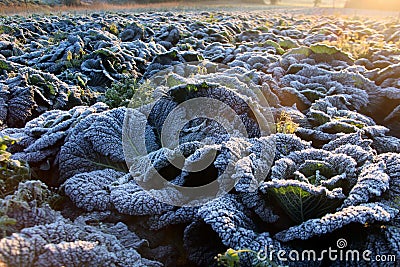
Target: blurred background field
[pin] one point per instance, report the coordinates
(337, 7)
(94, 3)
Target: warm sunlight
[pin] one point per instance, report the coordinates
(374, 4)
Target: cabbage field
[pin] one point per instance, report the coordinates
(199, 138)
